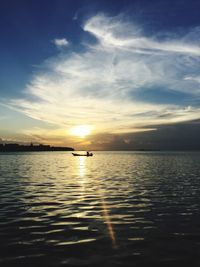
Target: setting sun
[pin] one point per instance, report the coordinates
(81, 130)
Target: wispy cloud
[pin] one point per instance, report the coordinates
(61, 42)
(193, 78)
(100, 84)
(117, 33)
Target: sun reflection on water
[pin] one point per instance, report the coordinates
(82, 167)
(82, 170)
(104, 206)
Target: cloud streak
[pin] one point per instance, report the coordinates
(113, 32)
(99, 85)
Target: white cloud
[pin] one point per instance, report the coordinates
(116, 33)
(61, 42)
(100, 85)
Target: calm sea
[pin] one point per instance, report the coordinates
(113, 209)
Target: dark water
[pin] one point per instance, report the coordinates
(113, 209)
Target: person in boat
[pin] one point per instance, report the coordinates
(88, 153)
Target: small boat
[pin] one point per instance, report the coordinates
(83, 155)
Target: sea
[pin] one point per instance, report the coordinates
(112, 209)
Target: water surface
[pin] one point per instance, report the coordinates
(113, 209)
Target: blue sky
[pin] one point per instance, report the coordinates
(27, 28)
(119, 67)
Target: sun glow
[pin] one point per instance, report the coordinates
(81, 130)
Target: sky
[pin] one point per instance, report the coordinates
(100, 74)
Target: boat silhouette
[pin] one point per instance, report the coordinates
(83, 155)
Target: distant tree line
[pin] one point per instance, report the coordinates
(31, 147)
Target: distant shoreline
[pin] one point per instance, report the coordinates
(68, 149)
(32, 148)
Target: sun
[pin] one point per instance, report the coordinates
(81, 130)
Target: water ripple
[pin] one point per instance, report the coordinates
(114, 209)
